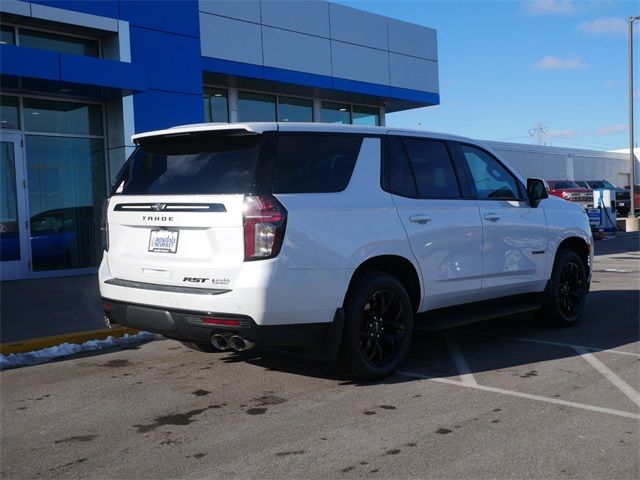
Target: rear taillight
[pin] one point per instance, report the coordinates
(105, 225)
(264, 220)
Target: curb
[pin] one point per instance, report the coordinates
(54, 340)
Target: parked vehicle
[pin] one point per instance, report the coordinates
(623, 196)
(636, 196)
(55, 237)
(336, 238)
(571, 191)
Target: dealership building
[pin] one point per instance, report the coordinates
(78, 78)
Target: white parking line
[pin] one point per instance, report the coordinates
(528, 396)
(620, 384)
(548, 342)
(461, 362)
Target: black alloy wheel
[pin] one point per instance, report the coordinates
(381, 327)
(567, 291)
(378, 326)
(570, 289)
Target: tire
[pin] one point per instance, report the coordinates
(567, 291)
(376, 302)
(200, 347)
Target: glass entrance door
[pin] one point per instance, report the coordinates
(14, 230)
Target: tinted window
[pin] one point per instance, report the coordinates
(401, 180)
(190, 165)
(314, 163)
(295, 110)
(432, 168)
(563, 184)
(491, 179)
(58, 43)
(256, 107)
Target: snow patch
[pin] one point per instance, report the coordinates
(66, 349)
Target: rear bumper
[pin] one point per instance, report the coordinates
(187, 325)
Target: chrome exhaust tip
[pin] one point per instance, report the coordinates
(220, 342)
(240, 344)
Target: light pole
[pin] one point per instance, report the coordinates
(632, 161)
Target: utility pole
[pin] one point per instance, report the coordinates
(632, 160)
(539, 130)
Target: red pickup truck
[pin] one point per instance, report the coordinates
(571, 191)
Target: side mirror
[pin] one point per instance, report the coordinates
(536, 191)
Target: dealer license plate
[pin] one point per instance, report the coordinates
(165, 241)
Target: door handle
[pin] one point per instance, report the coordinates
(493, 217)
(422, 219)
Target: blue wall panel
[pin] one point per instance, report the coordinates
(29, 62)
(104, 73)
(168, 16)
(172, 62)
(158, 110)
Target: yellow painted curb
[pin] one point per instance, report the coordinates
(80, 337)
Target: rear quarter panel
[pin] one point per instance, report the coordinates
(338, 231)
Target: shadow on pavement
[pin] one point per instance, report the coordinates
(610, 321)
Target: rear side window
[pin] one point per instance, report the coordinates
(314, 163)
(204, 164)
(429, 169)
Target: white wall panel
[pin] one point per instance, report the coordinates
(304, 16)
(247, 10)
(359, 27)
(230, 39)
(295, 51)
(411, 39)
(414, 73)
(360, 63)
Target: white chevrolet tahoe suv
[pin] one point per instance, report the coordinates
(339, 239)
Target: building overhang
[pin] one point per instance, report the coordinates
(289, 82)
(31, 70)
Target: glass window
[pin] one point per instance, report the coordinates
(8, 35)
(366, 115)
(9, 117)
(58, 43)
(62, 117)
(295, 109)
(9, 225)
(314, 163)
(216, 105)
(66, 178)
(432, 168)
(207, 164)
(256, 107)
(491, 179)
(335, 112)
(401, 181)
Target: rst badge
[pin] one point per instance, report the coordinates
(163, 241)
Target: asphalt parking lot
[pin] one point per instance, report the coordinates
(505, 398)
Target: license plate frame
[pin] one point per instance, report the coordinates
(163, 240)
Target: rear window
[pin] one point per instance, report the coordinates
(314, 163)
(563, 184)
(193, 164)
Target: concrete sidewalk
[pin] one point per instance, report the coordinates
(36, 314)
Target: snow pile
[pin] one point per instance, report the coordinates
(66, 349)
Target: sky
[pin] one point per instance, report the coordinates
(507, 67)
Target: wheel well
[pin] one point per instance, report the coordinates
(397, 266)
(579, 246)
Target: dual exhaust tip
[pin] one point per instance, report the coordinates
(231, 342)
